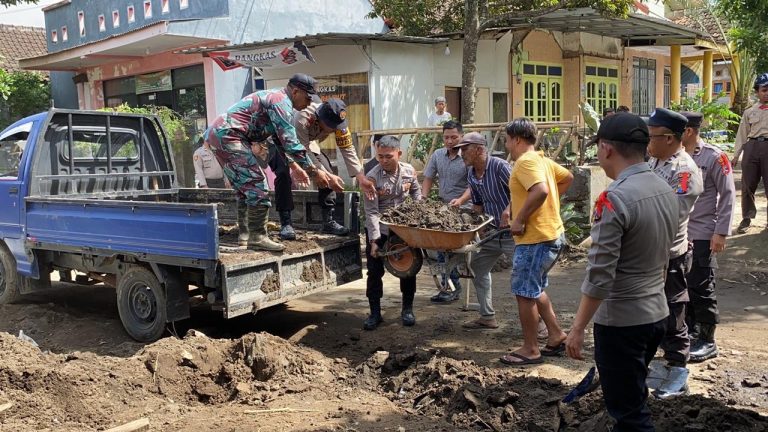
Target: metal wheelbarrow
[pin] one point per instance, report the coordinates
(406, 249)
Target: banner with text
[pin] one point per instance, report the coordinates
(265, 58)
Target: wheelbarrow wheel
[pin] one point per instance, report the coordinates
(405, 262)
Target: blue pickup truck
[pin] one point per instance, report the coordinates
(93, 197)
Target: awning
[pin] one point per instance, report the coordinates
(136, 44)
(323, 39)
(636, 30)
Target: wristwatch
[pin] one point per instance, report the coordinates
(311, 170)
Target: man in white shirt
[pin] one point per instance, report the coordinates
(440, 115)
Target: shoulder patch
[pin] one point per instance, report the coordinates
(725, 164)
(602, 204)
(683, 179)
(196, 156)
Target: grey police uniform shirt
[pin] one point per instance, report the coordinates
(681, 173)
(634, 224)
(451, 174)
(309, 133)
(713, 211)
(206, 166)
(391, 190)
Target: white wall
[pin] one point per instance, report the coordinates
(401, 84)
(492, 72)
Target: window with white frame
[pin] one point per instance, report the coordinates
(115, 19)
(81, 22)
(131, 14)
(147, 9)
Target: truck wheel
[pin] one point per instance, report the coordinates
(141, 304)
(9, 279)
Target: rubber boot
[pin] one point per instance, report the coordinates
(406, 315)
(242, 223)
(286, 229)
(704, 347)
(374, 319)
(257, 225)
(330, 226)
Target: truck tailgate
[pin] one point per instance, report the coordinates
(152, 228)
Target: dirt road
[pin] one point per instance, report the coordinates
(308, 365)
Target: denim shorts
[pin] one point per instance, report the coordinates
(530, 266)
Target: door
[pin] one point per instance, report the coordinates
(453, 101)
(12, 145)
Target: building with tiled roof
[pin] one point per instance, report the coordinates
(703, 20)
(18, 42)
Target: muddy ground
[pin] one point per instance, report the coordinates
(432, 215)
(308, 366)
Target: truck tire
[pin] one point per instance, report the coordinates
(141, 304)
(9, 278)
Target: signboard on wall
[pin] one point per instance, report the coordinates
(266, 58)
(353, 90)
(154, 82)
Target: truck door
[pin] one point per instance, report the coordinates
(13, 142)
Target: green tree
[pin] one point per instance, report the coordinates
(747, 19)
(22, 94)
(473, 17)
(16, 2)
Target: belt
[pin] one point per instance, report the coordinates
(760, 139)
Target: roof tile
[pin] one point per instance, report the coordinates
(20, 42)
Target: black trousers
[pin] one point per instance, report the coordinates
(701, 286)
(622, 355)
(676, 344)
(374, 288)
(754, 167)
(283, 184)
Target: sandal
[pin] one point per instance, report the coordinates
(551, 351)
(521, 360)
(479, 324)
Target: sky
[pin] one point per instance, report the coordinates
(25, 14)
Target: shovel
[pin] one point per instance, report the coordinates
(587, 384)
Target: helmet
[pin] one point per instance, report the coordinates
(761, 80)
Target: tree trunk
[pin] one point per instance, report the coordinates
(469, 57)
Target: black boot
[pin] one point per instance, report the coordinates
(242, 223)
(330, 226)
(704, 347)
(374, 319)
(409, 319)
(286, 229)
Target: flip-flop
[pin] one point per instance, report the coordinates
(523, 360)
(478, 325)
(551, 351)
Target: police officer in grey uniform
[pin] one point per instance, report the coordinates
(394, 181)
(633, 225)
(313, 124)
(670, 161)
(208, 172)
(708, 228)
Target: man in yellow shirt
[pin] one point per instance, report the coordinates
(535, 187)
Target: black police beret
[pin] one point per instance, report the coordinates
(694, 118)
(333, 113)
(624, 127)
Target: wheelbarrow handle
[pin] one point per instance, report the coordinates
(491, 236)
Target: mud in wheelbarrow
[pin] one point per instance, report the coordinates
(403, 256)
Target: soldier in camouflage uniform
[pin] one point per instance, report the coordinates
(257, 117)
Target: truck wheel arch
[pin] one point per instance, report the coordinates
(9, 277)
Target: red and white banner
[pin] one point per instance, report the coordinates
(265, 58)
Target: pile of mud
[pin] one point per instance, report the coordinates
(432, 215)
(83, 391)
(478, 398)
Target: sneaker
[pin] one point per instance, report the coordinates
(445, 297)
(744, 225)
(333, 227)
(287, 232)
